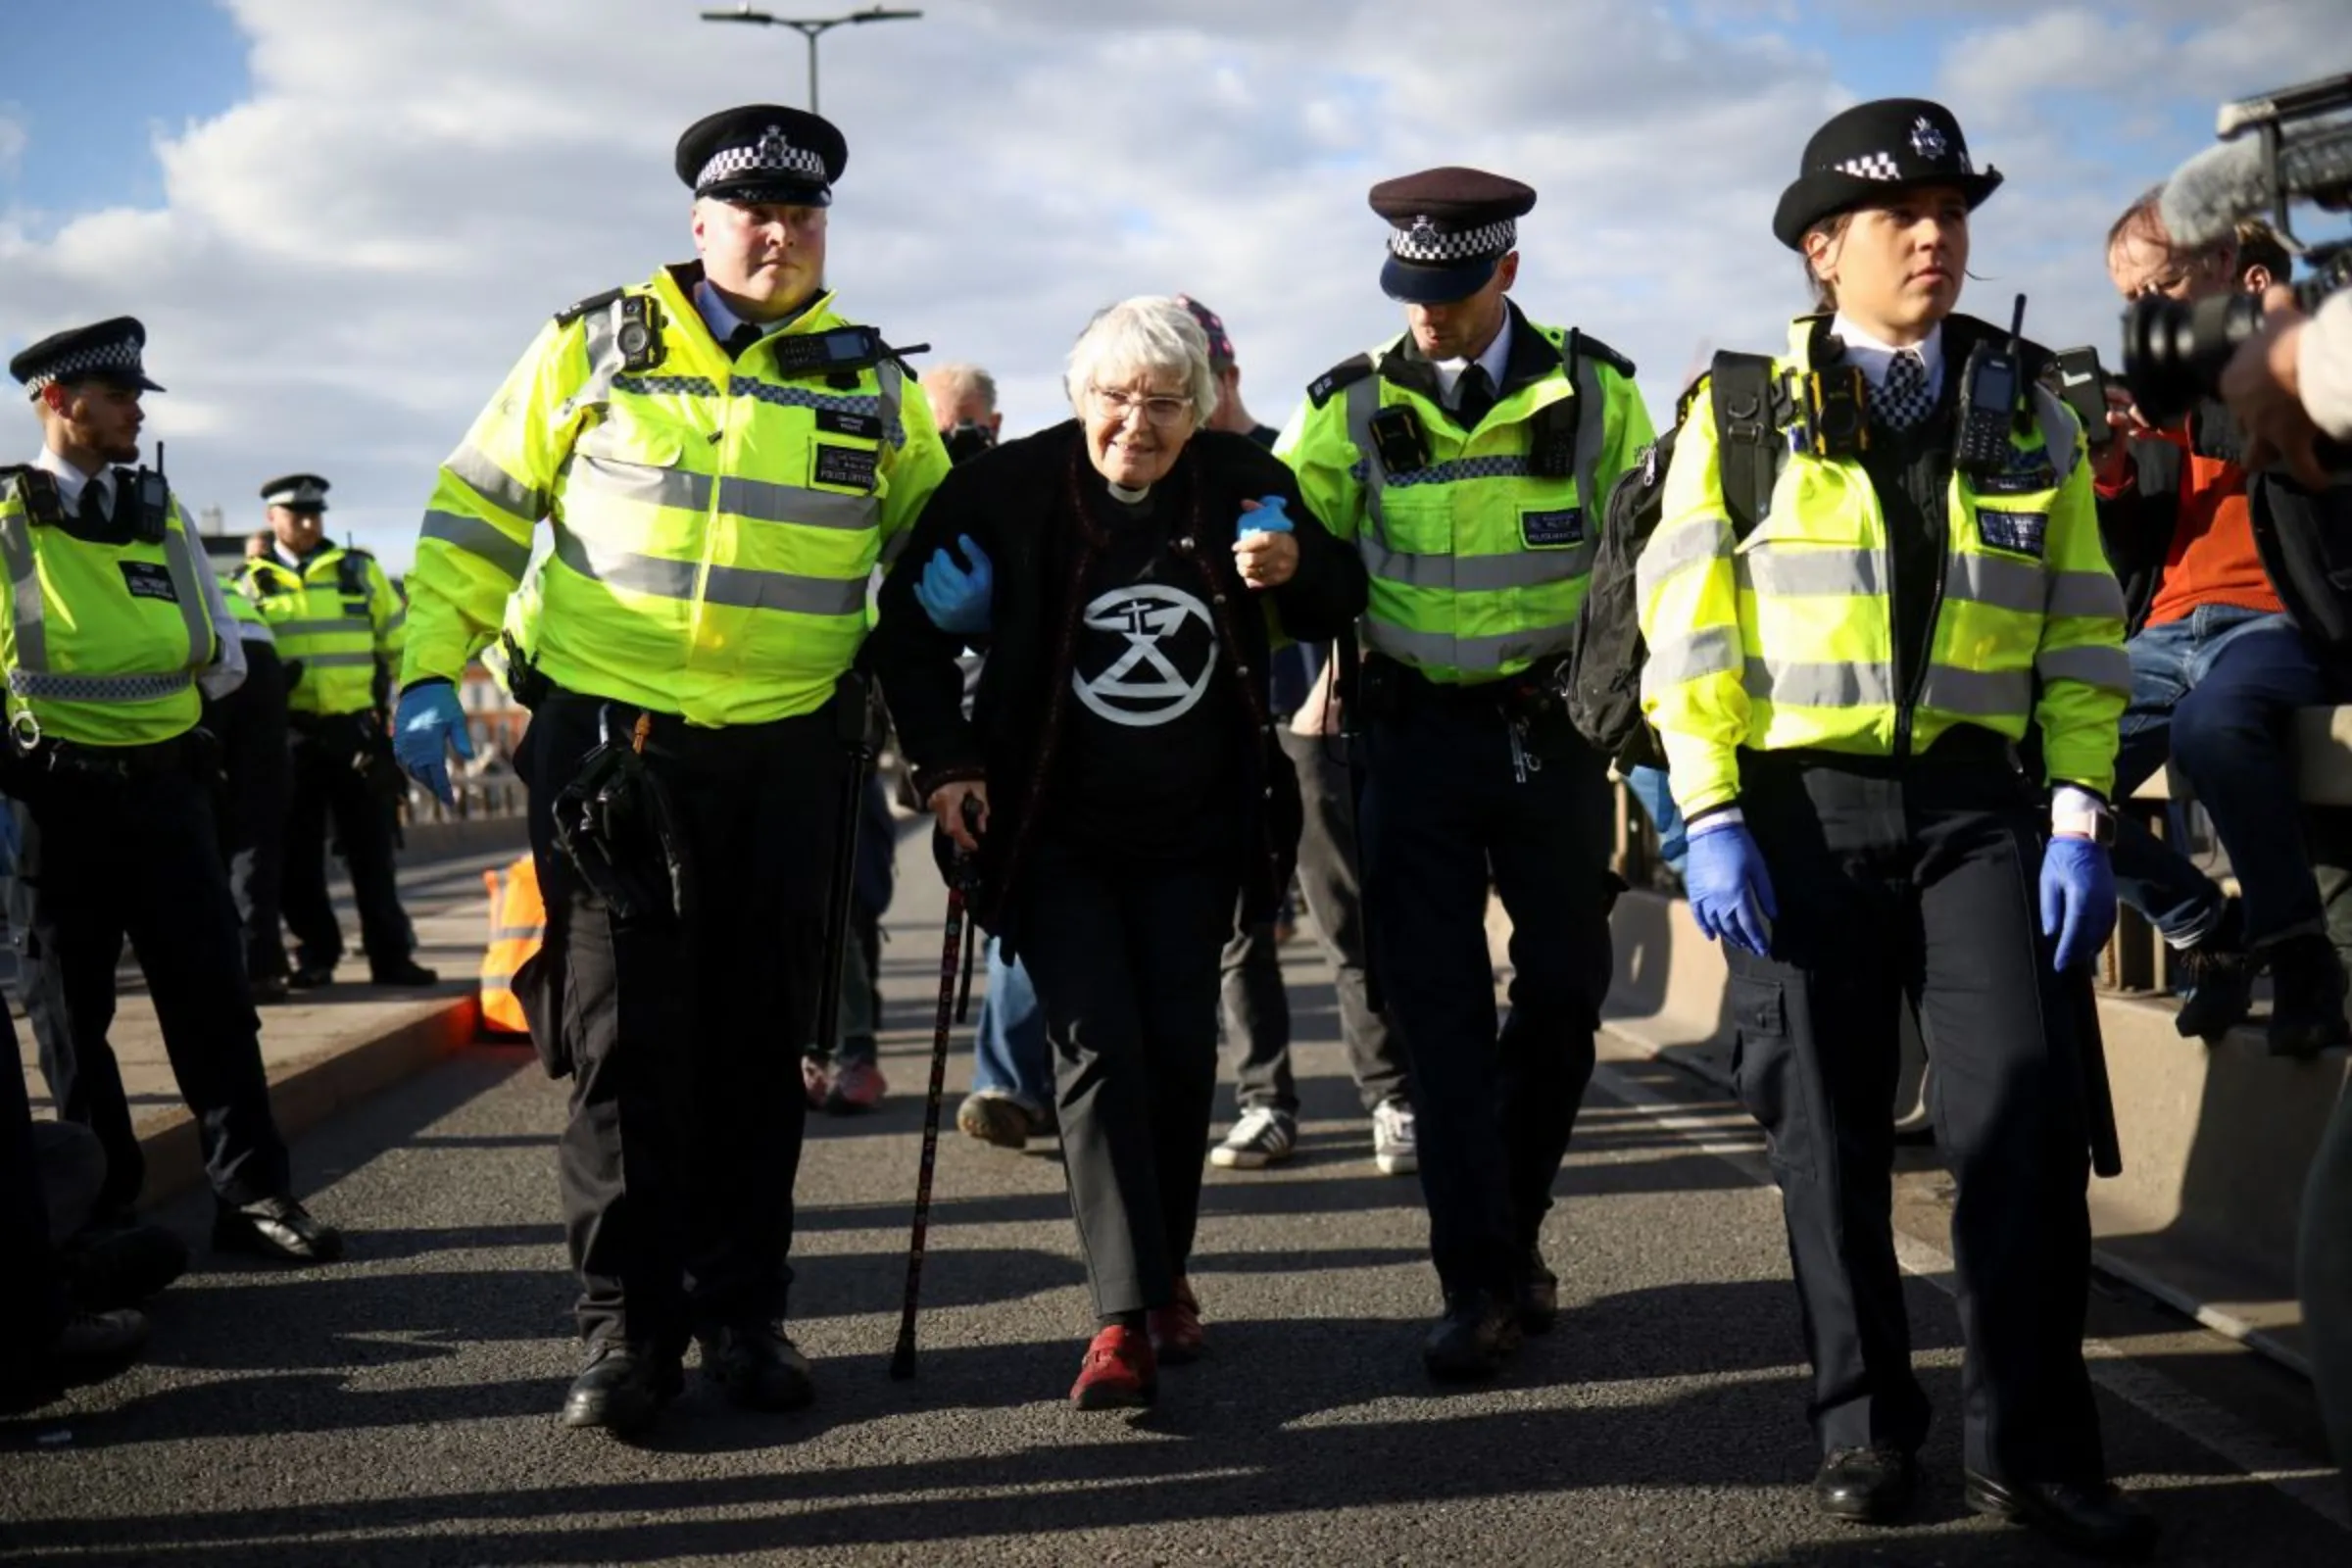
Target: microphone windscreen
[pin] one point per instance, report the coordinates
(2207, 195)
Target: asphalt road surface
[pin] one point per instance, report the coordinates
(399, 1408)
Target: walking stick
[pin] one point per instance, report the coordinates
(853, 707)
(950, 1013)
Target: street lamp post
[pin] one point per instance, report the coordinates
(811, 29)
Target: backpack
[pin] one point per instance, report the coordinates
(1604, 661)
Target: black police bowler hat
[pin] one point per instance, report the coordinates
(106, 351)
(1448, 229)
(762, 153)
(1871, 151)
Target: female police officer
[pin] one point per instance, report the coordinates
(1839, 686)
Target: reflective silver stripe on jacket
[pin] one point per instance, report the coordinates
(1474, 574)
(1429, 648)
(1795, 684)
(1713, 651)
(2022, 586)
(758, 500)
(494, 485)
(337, 661)
(1802, 571)
(1689, 544)
(2085, 593)
(479, 538)
(2094, 665)
(357, 621)
(1977, 693)
(739, 587)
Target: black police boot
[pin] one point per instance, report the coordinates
(108, 1269)
(1537, 1300)
(759, 1367)
(2093, 1521)
(2307, 997)
(1472, 1340)
(311, 977)
(403, 972)
(623, 1389)
(2217, 978)
(278, 1229)
(1871, 1486)
(91, 1347)
(269, 990)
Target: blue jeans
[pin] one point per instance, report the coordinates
(2217, 691)
(1010, 1052)
(1649, 785)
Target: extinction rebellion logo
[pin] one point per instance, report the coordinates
(1147, 655)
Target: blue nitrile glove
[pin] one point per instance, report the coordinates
(426, 726)
(1271, 516)
(1731, 891)
(2078, 899)
(956, 600)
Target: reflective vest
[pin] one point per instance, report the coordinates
(713, 521)
(517, 928)
(241, 607)
(1478, 564)
(1786, 638)
(102, 642)
(340, 615)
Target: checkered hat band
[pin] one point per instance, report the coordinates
(1422, 243)
(768, 157)
(1877, 165)
(121, 354)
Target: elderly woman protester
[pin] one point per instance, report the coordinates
(1118, 777)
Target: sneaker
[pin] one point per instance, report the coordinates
(1175, 1329)
(1262, 1137)
(858, 1087)
(1394, 1150)
(1118, 1372)
(2217, 978)
(2307, 998)
(995, 1119)
(815, 1083)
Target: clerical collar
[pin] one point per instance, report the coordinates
(1126, 497)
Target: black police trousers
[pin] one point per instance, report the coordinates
(251, 725)
(1126, 957)
(1445, 807)
(132, 854)
(330, 789)
(683, 1036)
(1921, 878)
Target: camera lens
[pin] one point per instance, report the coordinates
(2173, 351)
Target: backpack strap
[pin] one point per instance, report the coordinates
(1748, 415)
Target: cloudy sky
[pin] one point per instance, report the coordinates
(341, 220)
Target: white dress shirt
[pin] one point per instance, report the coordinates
(1496, 359)
(226, 672)
(1874, 354)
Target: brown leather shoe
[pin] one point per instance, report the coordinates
(1175, 1329)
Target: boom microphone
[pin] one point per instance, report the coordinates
(2207, 195)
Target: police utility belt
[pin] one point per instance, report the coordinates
(194, 752)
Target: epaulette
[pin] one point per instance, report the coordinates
(1342, 374)
(1579, 344)
(594, 302)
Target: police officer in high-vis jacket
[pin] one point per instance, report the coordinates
(257, 777)
(1468, 462)
(116, 626)
(722, 461)
(339, 627)
(1842, 685)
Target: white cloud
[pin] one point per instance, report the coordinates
(346, 262)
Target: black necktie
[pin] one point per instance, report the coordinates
(92, 511)
(743, 337)
(1473, 396)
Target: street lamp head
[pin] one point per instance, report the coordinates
(878, 13)
(744, 13)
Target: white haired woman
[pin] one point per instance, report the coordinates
(1119, 767)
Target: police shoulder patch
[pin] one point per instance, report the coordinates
(1581, 343)
(1346, 374)
(594, 302)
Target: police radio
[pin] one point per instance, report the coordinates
(151, 502)
(1992, 390)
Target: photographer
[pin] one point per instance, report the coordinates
(2234, 624)
(2292, 382)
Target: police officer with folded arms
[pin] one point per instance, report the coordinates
(339, 625)
(117, 626)
(250, 725)
(722, 461)
(1840, 682)
(1468, 462)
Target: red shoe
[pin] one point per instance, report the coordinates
(1118, 1374)
(813, 1082)
(1176, 1338)
(858, 1087)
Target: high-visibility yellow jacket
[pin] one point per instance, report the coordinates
(241, 607)
(103, 641)
(1786, 639)
(715, 522)
(340, 615)
(1478, 565)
